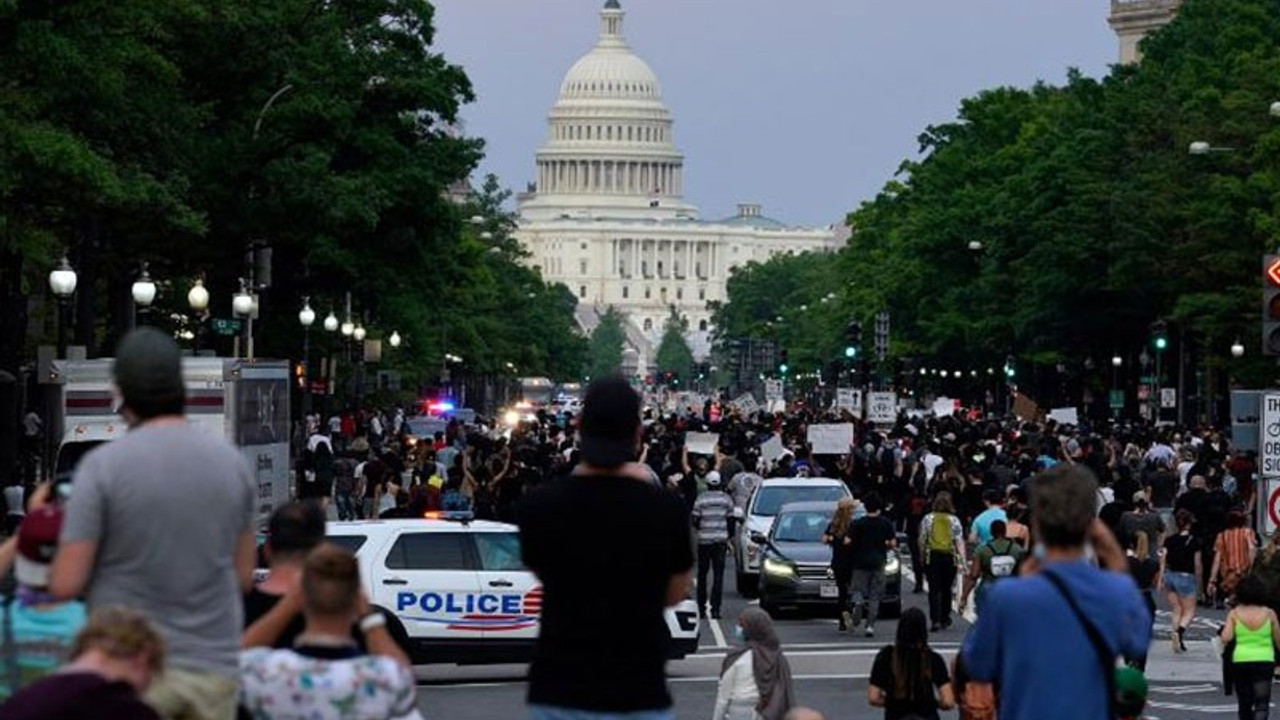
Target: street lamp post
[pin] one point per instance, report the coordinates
(1237, 347)
(144, 293)
(62, 281)
(1116, 362)
(242, 307)
(306, 316)
(198, 299)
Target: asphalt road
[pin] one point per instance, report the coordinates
(830, 671)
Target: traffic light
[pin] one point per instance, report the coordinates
(1009, 369)
(1160, 335)
(852, 339)
(300, 375)
(1271, 305)
(782, 362)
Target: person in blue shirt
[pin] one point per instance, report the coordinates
(982, 523)
(1029, 642)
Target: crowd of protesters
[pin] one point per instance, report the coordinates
(142, 578)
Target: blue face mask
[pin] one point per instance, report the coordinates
(739, 633)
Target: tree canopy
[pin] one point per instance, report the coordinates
(674, 357)
(1057, 223)
(604, 355)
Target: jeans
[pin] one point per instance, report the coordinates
(941, 573)
(711, 557)
(1253, 689)
(868, 587)
(346, 508)
(553, 712)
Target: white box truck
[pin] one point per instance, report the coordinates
(244, 401)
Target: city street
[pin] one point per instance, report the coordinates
(830, 671)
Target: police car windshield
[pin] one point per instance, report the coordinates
(771, 499)
(801, 527)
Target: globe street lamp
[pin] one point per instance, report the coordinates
(331, 322)
(348, 328)
(306, 316)
(1237, 347)
(358, 333)
(144, 293)
(975, 245)
(62, 281)
(394, 339)
(198, 300)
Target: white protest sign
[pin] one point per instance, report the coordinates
(746, 404)
(831, 439)
(772, 448)
(772, 390)
(701, 443)
(849, 399)
(882, 407)
(1269, 455)
(1065, 416)
(1168, 398)
(944, 407)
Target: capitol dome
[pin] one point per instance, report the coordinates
(609, 151)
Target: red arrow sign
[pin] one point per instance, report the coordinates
(1273, 272)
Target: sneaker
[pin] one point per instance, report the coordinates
(869, 631)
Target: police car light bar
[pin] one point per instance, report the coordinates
(459, 516)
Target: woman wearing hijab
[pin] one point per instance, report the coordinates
(908, 679)
(755, 682)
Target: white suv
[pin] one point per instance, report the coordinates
(763, 506)
(458, 591)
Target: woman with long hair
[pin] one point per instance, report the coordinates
(1180, 567)
(755, 680)
(908, 679)
(837, 536)
(1255, 630)
(1233, 554)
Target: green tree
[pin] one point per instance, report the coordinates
(604, 354)
(674, 357)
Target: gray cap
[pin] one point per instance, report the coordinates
(148, 369)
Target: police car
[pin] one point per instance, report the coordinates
(458, 591)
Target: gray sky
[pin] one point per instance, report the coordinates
(806, 106)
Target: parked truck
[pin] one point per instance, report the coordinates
(244, 401)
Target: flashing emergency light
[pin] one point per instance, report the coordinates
(440, 407)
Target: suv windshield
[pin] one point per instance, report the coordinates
(805, 527)
(770, 499)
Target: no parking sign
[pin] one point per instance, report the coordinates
(1271, 519)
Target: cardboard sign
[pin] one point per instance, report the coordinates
(772, 448)
(773, 390)
(746, 404)
(1024, 408)
(944, 407)
(882, 407)
(849, 399)
(1065, 416)
(831, 439)
(701, 443)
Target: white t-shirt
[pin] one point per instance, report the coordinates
(284, 685)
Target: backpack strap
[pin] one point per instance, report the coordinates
(1105, 656)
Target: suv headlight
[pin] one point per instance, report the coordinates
(778, 568)
(892, 565)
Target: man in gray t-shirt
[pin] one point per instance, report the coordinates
(162, 521)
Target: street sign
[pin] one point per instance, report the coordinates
(882, 407)
(1271, 520)
(773, 391)
(1269, 457)
(1168, 398)
(1117, 399)
(225, 326)
(849, 399)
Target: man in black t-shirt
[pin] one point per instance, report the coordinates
(873, 536)
(611, 550)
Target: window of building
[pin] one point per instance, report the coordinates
(583, 246)
(702, 325)
(679, 293)
(582, 267)
(647, 292)
(702, 293)
(648, 324)
(625, 292)
(660, 269)
(582, 291)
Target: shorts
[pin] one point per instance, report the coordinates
(1181, 583)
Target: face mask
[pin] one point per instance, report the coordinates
(739, 633)
(1039, 551)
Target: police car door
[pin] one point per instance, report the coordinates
(508, 586)
(428, 580)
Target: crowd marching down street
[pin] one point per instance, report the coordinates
(146, 588)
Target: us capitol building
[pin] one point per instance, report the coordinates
(607, 217)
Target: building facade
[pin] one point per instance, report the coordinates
(1132, 20)
(606, 215)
